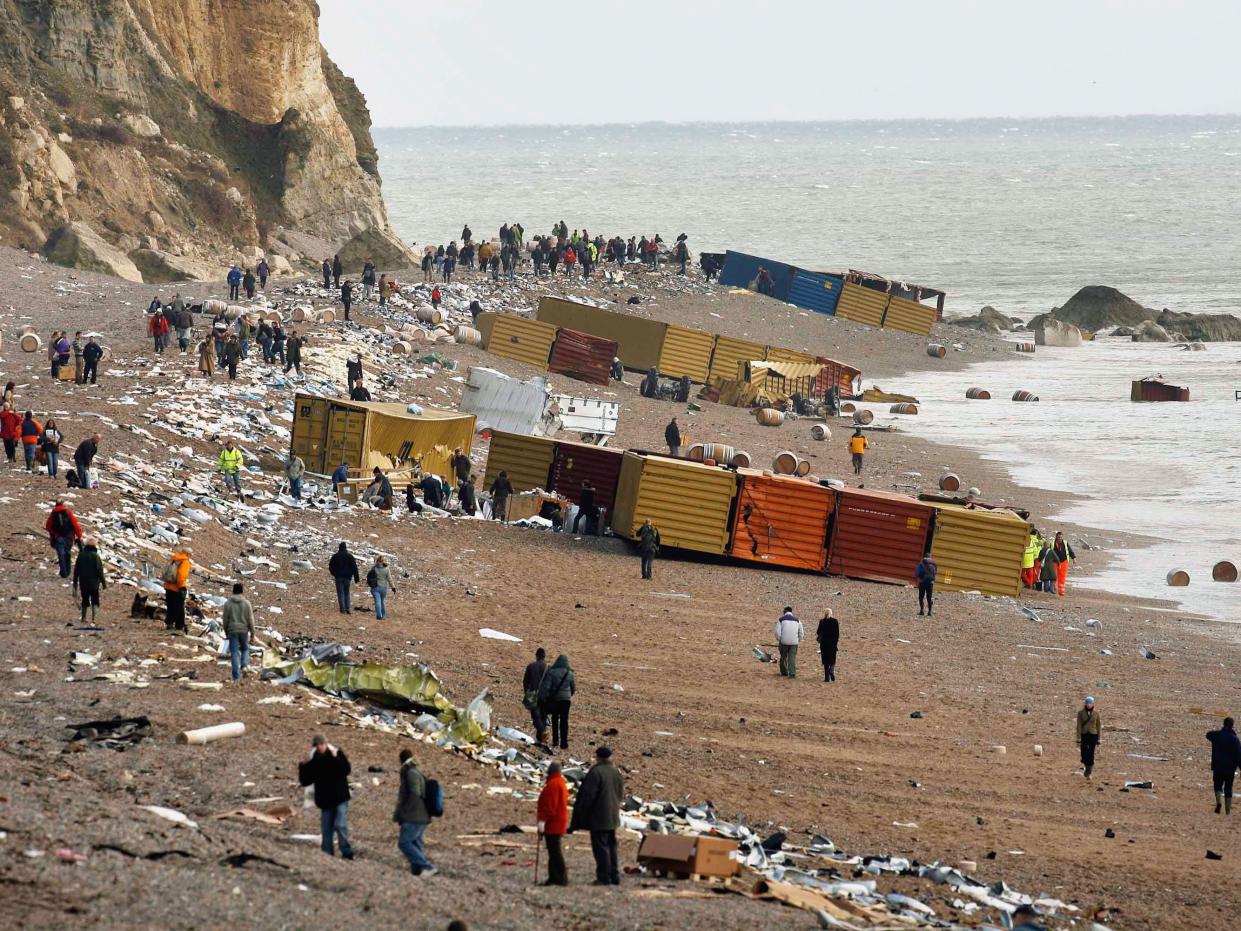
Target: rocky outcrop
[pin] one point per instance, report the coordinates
(222, 119)
(1097, 307)
(78, 246)
(158, 266)
(381, 247)
(1206, 328)
(1148, 331)
(1051, 332)
(987, 320)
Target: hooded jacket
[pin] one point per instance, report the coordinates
(182, 561)
(88, 572)
(598, 803)
(53, 520)
(789, 630)
(238, 616)
(560, 684)
(411, 806)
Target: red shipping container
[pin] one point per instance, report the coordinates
(574, 463)
(878, 535)
(583, 356)
(837, 374)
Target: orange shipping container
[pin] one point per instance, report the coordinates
(781, 520)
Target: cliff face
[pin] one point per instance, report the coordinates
(190, 127)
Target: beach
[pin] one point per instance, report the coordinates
(667, 664)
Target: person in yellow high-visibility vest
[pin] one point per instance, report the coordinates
(857, 448)
(1030, 558)
(231, 463)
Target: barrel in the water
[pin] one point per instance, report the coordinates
(1024, 395)
(863, 416)
(769, 416)
(936, 351)
(820, 432)
(785, 463)
(1024, 347)
(1178, 578)
(949, 481)
(1224, 571)
(978, 394)
(903, 409)
(741, 459)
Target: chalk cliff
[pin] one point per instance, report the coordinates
(197, 130)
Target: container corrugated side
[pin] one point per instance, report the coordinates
(781, 521)
(862, 305)
(776, 354)
(638, 341)
(310, 415)
(729, 351)
(816, 291)
(979, 550)
(574, 463)
(690, 504)
(583, 356)
(527, 459)
(878, 535)
(909, 316)
(522, 340)
(686, 351)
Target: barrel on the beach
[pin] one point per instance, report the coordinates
(978, 394)
(302, 314)
(695, 452)
(848, 407)
(273, 316)
(1024, 347)
(429, 315)
(785, 463)
(1178, 578)
(936, 351)
(30, 342)
(903, 409)
(402, 348)
(803, 467)
(820, 432)
(1024, 395)
(741, 459)
(949, 481)
(863, 416)
(214, 306)
(467, 336)
(769, 416)
(717, 451)
(1224, 571)
(233, 311)
(327, 315)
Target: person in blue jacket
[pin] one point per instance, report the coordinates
(234, 282)
(925, 574)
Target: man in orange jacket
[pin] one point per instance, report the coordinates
(553, 817)
(176, 579)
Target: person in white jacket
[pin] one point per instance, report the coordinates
(789, 634)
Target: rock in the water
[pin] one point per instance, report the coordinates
(1098, 307)
(1051, 332)
(1122, 331)
(1206, 328)
(79, 246)
(379, 245)
(1148, 331)
(164, 266)
(988, 320)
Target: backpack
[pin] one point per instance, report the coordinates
(62, 524)
(169, 575)
(433, 798)
(372, 579)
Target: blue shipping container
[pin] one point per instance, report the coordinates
(816, 291)
(740, 270)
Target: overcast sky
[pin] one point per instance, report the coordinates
(493, 62)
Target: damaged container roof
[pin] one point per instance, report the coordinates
(639, 341)
(878, 535)
(583, 356)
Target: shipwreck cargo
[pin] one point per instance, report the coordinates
(780, 520)
(575, 463)
(1155, 388)
(979, 550)
(639, 342)
(878, 535)
(526, 459)
(690, 504)
(583, 356)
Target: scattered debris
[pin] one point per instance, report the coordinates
(114, 734)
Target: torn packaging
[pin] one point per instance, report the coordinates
(685, 855)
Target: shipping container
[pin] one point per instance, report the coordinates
(878, 535)
(526, 459)
(686, 351)
(816, 291)
(741, 271)
(729, 351)
(776, 354)
(979, 549)
(690, 504)
(574, 463)
(909, 316)
(862, 305)
(781, 521)
(638, 341)
(1154, 389)
(845, 377)
(522, 339)
(484, 323)
(583, 356)
(501, 402)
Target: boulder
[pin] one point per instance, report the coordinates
(1202, 328)
(1051, 332)
(988, 320)
(62, 167)
(157, 266)
(1122, 331)
(279, 265)
(1148, 331)
(379, 245)
(1098, 307)
(141, 125)
(79, 246)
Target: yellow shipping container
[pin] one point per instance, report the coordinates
(689, 503)
(978, 550)
(729, 351)
(484, 323)
(526, 459)
(639, 341)
(776, 354)
(909, 316)
(524, 340)
(686, 351)
(862, 305)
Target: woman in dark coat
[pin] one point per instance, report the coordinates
(556, 693)
(829, 637)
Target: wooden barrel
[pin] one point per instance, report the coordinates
(1024, 347)
(821, 432)
(936, 351)
(903, 409)
(978, 394)
(1178, 578)
(717, 451)
(402, 348)
(302, 314)
(213, 306)
(429, 315)
(327, 315)
(863, 417)
(695, 452)
(803, 467)
(30, 342)
(769, 416)
(416, 335)
(949, 481)
(467, 336)
(1224, 571)
(785, 463)
(848, 407)
(1024, 395)
(741, 459)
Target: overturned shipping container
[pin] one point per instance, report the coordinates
(526, 459)
(742, 271)
(576, 463)
(781, 521)
(816, 291)
(689, 504)
(878, 535)
(979, 550)
(862, 305)
(730, 350)
(583, 356)
(639, 342)
(521, 339)
(686, 351)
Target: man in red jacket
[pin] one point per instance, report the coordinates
(553, 818)
(10, 430)
(63, 530)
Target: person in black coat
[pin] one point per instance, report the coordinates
(465, 494)
(828, 636)
(346, 296)
(586, 508)
(672, 436)
(327, 769)
(344, 569)
(1225, 758)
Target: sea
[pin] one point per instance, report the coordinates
(1015, 214)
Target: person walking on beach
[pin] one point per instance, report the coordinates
(346, 296)
(586, 508)
(232, 355)
(32, 437)
(412, 816)
(293, 353)
(672, 436)
(206, 358)
(556, 698)
(1030, 559)
(552, 816)
(248, 282)
(531, 684)
(230, 463)
(368, 280)
(264, 271)
(328, 769)
(238, 622)
(294, 471)
(10, 430)
(50, 443)
(326, 269)
(1060, 554)
(789, 635)
(92, 352)
(234, 282)
(176, 581)
(63, 530)
(84, 457)
(501, 491)
(1225, 758)
(89, 577)
(857, 449)
(344, 569)
(157, 327)
(597, 809)
(337, 270)
(1088, 726)
(828, 636)
(648, 547)
(925, 573)
(79, 364)
(379, 581)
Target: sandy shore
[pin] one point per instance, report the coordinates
(846, 760)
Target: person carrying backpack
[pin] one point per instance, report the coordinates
(556, 693)
(63, 530)
(925, 574)
(413, 813)
(89, 577)
(176, 580)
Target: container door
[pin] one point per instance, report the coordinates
(346, 430)
(310, 417)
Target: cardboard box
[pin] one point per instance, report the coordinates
(685, 855)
